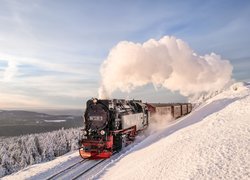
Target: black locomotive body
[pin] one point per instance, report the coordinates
(110, 125)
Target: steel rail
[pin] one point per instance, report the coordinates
(71, 166)
(87, 170)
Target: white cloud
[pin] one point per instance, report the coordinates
(16, 100)
(10, 71)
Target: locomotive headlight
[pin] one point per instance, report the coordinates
(85, 132)
(102, 132)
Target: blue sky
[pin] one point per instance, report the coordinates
(51, 51)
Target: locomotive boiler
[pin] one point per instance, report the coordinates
(110, 125)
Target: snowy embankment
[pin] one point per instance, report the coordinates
(22, 151)
(210, 143)
(217, 147)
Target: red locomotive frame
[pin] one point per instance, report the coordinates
(100, 149)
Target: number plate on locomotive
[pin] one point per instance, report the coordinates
(95, 118)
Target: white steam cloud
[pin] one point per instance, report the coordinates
(169, 62)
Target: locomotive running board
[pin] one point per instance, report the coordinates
(124, 131)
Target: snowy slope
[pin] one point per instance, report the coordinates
(210, 143)
(218, 147)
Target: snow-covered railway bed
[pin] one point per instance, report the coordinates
(78, 171)
(88, 171)
(99, 168)
(64, 171)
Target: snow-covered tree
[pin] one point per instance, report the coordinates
(18, 152)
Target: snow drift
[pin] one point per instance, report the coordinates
(169, 62)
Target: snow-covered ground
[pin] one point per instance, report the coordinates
(217, 147)
(55, 121)
(213, 142)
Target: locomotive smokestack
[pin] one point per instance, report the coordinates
(169, 62)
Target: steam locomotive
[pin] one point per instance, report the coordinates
(112, 124)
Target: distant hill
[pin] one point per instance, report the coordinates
(19, 122)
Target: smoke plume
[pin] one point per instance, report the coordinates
(169, 63)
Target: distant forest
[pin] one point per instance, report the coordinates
(17, 122)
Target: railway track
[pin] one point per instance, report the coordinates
(66, 169)
(87, 170)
